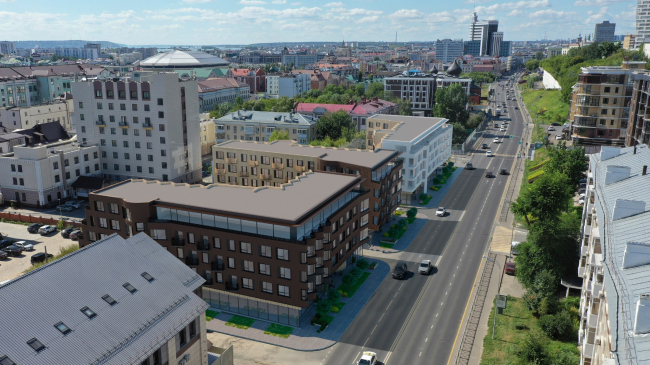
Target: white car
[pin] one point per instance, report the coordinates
(581, 201)
(502, 129)
(441, 212)
(24, 245)
(46, 230)
(488, 154)
(559, 136)
(425, 267)
(368, 358)
(496, 140)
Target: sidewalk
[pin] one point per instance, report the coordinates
(305, 337)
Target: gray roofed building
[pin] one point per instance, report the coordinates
(249, 125)
(155, 309)
(615, 258)
(182, 59)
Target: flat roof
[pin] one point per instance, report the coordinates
(290, 203)
(279, 118)
(411, 127)
(365, 158)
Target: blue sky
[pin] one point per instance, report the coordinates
(252, 21)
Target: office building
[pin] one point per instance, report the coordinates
(114, 302)
(600, 103)
(216, 91)
(146, 127)
(276, 163)
(359, 112)
(482, 31)
(258, 126)
(604, 32)
(40, 175)
(420, 89)
(497, 39)
(642, 22)
(264, 252)
(505, 49)
(299, 59)
(443, 81)
(289, 85)
(7, 47)
(472, 48)
(425, 144)
(614, 259)
(448, 50)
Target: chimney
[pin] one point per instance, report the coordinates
(634, 149)
(645, 170)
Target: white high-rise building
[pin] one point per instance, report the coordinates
(448, 50)
(642, 21)
(146, 127)
(482, 30)
(7, 47)
(497, 39)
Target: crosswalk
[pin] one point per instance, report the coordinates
(501, 239)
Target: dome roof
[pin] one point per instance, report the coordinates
(454, 69)
(434, 70)
(183, 59)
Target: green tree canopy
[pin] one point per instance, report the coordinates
(404, 107)
(569, 162)
(459, 133)
(532, 65)
(279, 135)
(332, 125)
(451, 103)
(375, 90)
(539, 55)
(545, 199)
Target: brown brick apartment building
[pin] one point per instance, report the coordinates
(273, 164)
(264, 252)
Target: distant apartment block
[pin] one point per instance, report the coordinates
(425, 144)
(642, 22)
(145, 127)
(299, 59)
(28, 116)
(255, 78)
(421, 90)
(604, 32)
(448, 50)
(208, 136)
(131, 302)
(263, 252)
(359, 112)
(276, 163)
(88, 52)
(472, 48)
(615, 258)
(7, 47)
(638, 131)
(600, 103)
(40, 175)
(443, 81)
(287, 85)
(216, 91)
(258, 126)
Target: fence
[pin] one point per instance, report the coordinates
(27, 218)
(227, 357)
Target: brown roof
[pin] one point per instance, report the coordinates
(213, 84)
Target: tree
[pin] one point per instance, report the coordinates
(404, 107)
(569, 162)
(539, 55)
(375, 90)
(459, 133)
(545, 199)
(323, 308)
(451, 103)
(532, 350)
(606, 49)
(360, 76)
(532, 65)
(332, 124)
(279, 135)
(411, 213)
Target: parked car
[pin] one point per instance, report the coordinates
(581, 201)
(34, 227)
(368, 358)
(503, 172)
(558, 137)
(469, 166)
(510, 268)
(24, 245)
(551, 128)
(74, 204)
(65, 208)
(40, 257)
(556, 124)
(488, 154)
(3, 255)
(66, 232)
(46, 230)
(488, 174)
(6, 243)
(517, 107)
(400, 270)
(13, 250)
(76, 235)
(441, 212)
(425, 267)
(484, 146)
(513, 249)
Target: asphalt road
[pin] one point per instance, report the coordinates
(417, 320)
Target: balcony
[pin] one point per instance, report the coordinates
(300, 168)
(177, 242)
(592, 320)
(217, 266)
(278, 166)
(581, 268)
(220, 171)
(243, 173)
(124, 124)
(231, 160)
(588, 350)
(231, 286)
(265, 177)
(208, 281)
(191, 260)
(203, 246)
(100, 123)
(147, 125)
(253, 163)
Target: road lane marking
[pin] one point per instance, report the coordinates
(391, 302)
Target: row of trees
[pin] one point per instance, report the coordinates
(451, 103)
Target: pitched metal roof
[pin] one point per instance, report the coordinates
(125, 333)
(180, 59)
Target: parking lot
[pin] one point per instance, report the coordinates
(552, 134)
(13, 267)
(75, 215)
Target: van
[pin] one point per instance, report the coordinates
(513, 248)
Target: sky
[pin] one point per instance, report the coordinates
(214, 22)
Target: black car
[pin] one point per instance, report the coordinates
(13, 250)
(3, 255)
(400, 270)
(469, 166)
(556, 124)
(6, 243)
(503, 172)
(66, 232)
(40, 257)
(488, 174)
(484, 146)
(76, 235)
(34, 227)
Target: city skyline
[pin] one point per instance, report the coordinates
(196, 22)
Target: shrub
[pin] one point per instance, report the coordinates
(411, 213)
(323, 307)
(401, 225)
(557, 327)
(348, 279)
(533, 349)
(363, 264)
(548, 305)
(333, 296)
(335, 309)
(355, 272)
(60, 225)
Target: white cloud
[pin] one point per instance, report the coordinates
(279, 1)
(515, 12)
(196, 1)
(166, 28)
(7, 1)
(337, 4)
(598, 2)
(476, 1)
(368, 19)
(252, 2)
(407, 14)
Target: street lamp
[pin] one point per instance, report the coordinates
(60, 213)
(494, 325)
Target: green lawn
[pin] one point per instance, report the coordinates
(351, 289)
(338, 307)
(278, 330)
(512, 327)
(546, 106)
(425, 202)
(386, 245)
(210, 315)
(240, 322)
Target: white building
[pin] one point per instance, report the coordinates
(216, 91)
(482, 31)
(42, 174)
(448, 50)
(642, 21)
(615, 259)
(147, 127)
(7, 47)
(259, 126)
(27, 116)
(425, 144)
(289, 85)
(497, 39)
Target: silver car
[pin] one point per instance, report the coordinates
(425, 267)
(24, 245)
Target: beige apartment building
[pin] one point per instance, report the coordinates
(600, 103)
(23, 117)
(208, 137)
(244, 125)
(276, 163)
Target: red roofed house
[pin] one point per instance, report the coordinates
(358, 111)
(256, 79)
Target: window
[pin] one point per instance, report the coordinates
(108, 299)
(265, 269)
(267, 287)
(607, 89)
(192, 328)
(182, 337)
(285, 273)
(283, 254)
(103, 222)
(147, 276)
(161, 114)
(283, 290)
(111, 106)
(160, 101)
(161, 127)
(162, 140)
(158, 234)
(179, 253)
(115, 225)
(130, 288)
(151, 170)
(36, 344)
(88, 312)
(99, 206)
(62, 328)
(216, 242)
(231, 245)
(114, 208)
(247, 283)
(139, 227)
(231, 263)
(246, 247)
(249, 266)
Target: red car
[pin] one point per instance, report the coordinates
(510, 268)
